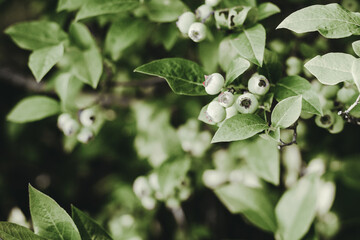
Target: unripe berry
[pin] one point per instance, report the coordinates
(246, 103)
(338, 126)
(258, 84)
(215, 112)
(87, 117)
(197, 32)
(71, 127)
(154, 181)
(214, 83)
(231, 111)
(203, 12)
(212, 3)
(148, 203)
(345, 95)
(329, 91)
(226, 99)
(214, 178)
(294, 66)
(141, 187)
(62, 119)
(85, 135)
(184, 22)
(326, 120)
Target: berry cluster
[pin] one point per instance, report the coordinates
(147, 189)
(188, 25)
(227, 105)
(81, 127)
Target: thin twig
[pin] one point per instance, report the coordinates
(293, 141)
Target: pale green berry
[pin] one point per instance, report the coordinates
(141, 187)
(329, 91)
(326, 120)
(338, 126)
(87, 117)
(246, 103)
(306, 115)
(214, 83)
(62, 119)
(345, 95)
(71, 126)
(258, 84)
(214, 178)
(203, 12)
(215, 112)
(184, 22)
(294, 66)
(197, 32)
(148, 202)
(226, 99)
(212, 3)
(85, 135)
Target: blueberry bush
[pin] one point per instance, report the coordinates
(180, 119)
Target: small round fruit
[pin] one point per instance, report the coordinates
(62, 119)
(141, 187)
(71, 127)
(214, 83)
(85, 135)
(345, 95)
(212, 3)
(214, 178)
(329, 91)
(231, 111)
(326, 120)
(294, 66)
(148, 202)
(87, 117)
(197, 32)
(215, 112)
(258, 84)
(226, 99)
(203, 12)
(184, 22)
(246, 103)
(306, 115)
(338, 126)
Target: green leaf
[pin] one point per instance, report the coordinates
(239, 127)
(236, 68)
(165, 10)
(262, 156)
(36, 34)
(88, 66)
(94, 8)
(294, 86)
(356, 47)
(49, 219)
(227, 53)
(251, 44)
(69, 5)
(183, 76)
(272, 67)
(332, 21)
(171, 174)
(43, 59)
(266, 10)
(33, 108)
(356, 72)
(81, 36)
(122, 34)
(296, 209)
(208, 54)
(67, 87)
(88, 228)
(331, 68)
(253, 203)
(11, 231)
(286, 112)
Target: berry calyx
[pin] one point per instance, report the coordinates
(246, 103)
(258, 84)
(197, 32)
(87, 117)
(226, 99)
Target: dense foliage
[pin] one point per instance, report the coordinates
(130, 135)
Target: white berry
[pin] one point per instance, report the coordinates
(87, 117)
(71, 127)
(214, 178)
(226, 99)
(197, 32)
(62, 119)
(214, 83)
(141, 187)
(203, 12)
(85, 135)
(258, 84)
(246, 103)
(215, 112)
(184, 22)
(212, 3)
